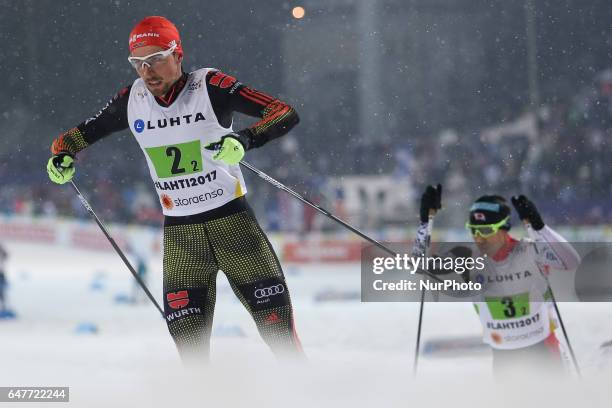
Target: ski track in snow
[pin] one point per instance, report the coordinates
(359, 354)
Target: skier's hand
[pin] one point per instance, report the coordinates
(230, 149)
(528, 212)
(61, 168)
(431, 201)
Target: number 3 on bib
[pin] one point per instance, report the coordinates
(508, 307)
(176, 160)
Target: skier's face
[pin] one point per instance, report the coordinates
(490, 245)
(160, 75)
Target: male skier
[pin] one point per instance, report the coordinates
(183, 124)
(515, 306)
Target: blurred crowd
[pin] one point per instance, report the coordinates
(560, 155)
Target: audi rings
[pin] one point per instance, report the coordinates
(269, 291)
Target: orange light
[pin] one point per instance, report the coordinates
(298, 12)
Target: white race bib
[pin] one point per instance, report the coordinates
(187, 179)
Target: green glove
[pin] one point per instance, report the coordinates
(230, 149)
(61, 168)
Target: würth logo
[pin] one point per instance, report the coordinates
(178, 300)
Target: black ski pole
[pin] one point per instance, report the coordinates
(323, 211)
(567, 340)
(417, 348)
(554, 302)
(422, 303)
(116, 247)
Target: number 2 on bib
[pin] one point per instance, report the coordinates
(176, 160)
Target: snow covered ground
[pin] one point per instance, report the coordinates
(359, 354)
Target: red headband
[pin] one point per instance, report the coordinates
(155, 30)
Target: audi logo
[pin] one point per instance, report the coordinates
(269, 291)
